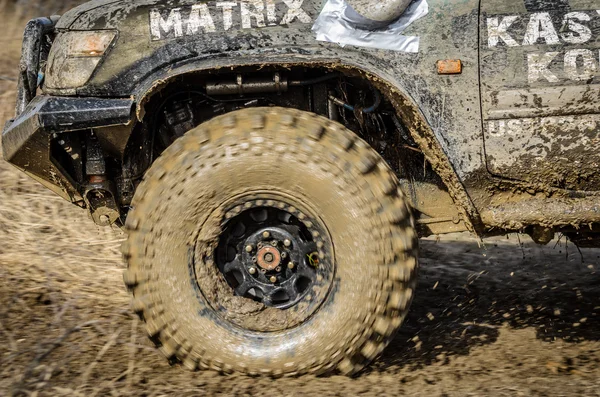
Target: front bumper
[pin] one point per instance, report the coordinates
(26, 141)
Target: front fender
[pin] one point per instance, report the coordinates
(442, 111)
(400, 90)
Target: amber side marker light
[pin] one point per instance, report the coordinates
(449, 66)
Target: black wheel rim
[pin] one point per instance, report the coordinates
(272, 253)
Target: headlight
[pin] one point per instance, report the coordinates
(74, 57)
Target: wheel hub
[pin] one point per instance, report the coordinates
(269, 258)
(266, 254)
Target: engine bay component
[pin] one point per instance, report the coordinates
(351, 108)
(242, 86)
(100, 192)
(101, 203)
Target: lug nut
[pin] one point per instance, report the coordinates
(266, 234)
(249, 248)
(291, 265)
(287, 242)
(252, 270)
(273, 279)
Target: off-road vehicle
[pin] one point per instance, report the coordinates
(275, 161)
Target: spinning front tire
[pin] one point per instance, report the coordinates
(271, 241)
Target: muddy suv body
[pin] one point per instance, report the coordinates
(485, 113)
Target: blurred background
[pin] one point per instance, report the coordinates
(14, 15)
(502, 317)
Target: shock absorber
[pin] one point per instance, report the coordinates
(99, 193)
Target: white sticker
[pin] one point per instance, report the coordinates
(227, 10)
(224, 16)
(498, 31)
(253, 9)
(588, 62)
(538, 65)
(539, 29)
(200, 20)
(579, 64)
(576, 32)
(173, 23)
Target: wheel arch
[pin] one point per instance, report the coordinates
(373, 71)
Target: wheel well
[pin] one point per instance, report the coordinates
(360, 103)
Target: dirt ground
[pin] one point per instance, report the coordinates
(507, 318)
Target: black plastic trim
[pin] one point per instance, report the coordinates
(26, 140)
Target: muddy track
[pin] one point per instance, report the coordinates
(501, 320)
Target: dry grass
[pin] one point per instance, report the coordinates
(14, 15)
(46, 244)
(29, 212)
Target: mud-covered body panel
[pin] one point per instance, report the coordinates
(447, 106)
(540, 92)
(449, 31)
